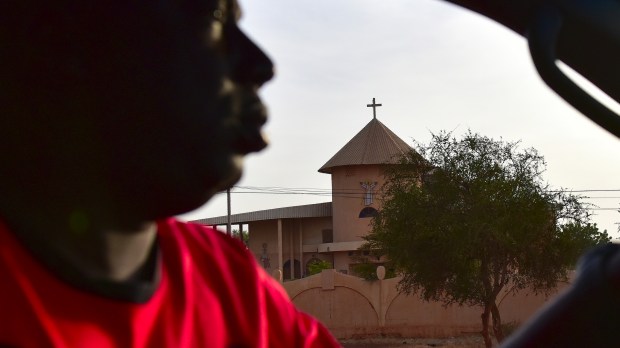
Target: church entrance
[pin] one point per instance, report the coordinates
(287, 270)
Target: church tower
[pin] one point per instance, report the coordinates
(357, 177)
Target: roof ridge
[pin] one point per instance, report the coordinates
(373, 144)
(390, 135)
(366, 141)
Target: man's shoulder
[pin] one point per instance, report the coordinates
(205, 238)
(208, 249)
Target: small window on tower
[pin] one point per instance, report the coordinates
(368, 186)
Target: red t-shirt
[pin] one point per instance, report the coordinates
(211, 293)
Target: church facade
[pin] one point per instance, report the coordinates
(285, 241)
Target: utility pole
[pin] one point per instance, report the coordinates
(228, 231)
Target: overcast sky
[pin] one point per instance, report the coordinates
(433, 67)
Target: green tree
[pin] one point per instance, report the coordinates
(465, 219)
(316, 266)
(245, 236)
(365, 263)
(368, 270)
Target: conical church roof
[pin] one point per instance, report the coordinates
(374, 144)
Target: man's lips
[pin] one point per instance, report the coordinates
(251, 120)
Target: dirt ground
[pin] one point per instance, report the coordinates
(460, 342)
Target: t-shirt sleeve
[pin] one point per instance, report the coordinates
(258, 309)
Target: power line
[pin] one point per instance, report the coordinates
(276, 188)
(591, 190)
(356, 191)
(359, 194)
(325, 191)
(589, 197)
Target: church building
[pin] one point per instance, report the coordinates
(285, 241)
(290, 238)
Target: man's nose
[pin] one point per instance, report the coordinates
(249, 64)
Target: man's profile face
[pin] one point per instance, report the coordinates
(186, 79)
(133, 110)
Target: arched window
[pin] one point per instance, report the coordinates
(368, 212)
(286, 272)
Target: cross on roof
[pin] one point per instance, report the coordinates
(374, 108)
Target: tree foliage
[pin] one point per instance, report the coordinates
(368, 270)
(465, 219)
(245, 236)
(317, 266)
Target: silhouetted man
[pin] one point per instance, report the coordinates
(114, 117)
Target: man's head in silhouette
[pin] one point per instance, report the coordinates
(118, 113)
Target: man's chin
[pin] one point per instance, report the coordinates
(193, 194)
(222, 178)
(232, 174)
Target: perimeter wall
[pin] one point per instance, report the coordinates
(352, 307)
